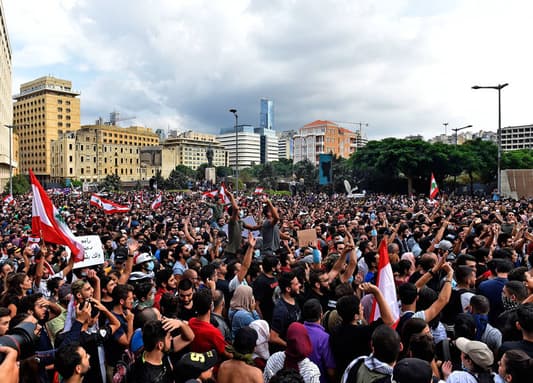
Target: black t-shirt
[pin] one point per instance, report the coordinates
(323, 299)
(350, 341)
(523, 345)
(264, 287)
(113, 349)
(283, 315)
(185, 313)
(90, 343)
(144, 372)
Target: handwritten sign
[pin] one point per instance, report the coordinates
(306, 236)
(93, 251)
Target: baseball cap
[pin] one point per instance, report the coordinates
(479, 352)
(121, 254)
(412, 370)
(192, 364)
(444, 245)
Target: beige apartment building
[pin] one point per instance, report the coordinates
(96, 151)
(322, 137)
(43, 109)
(6, 106)
(188, 149)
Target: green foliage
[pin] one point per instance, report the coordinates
(306, 171)
(20, 184)
(179, 177)
(76, 183)
(223, 171)
(517, 159)
(111, 182)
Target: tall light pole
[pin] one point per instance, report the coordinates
(234, 111)
(445, 128)
(458, 129)
(499, 88)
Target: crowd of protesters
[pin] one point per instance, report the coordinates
(204, 290)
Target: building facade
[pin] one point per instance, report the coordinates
(247, 142)
(43, 109)
(266, 116)
(96, 151)
(323, 137)
(286, 144)
(517, 137)
(6, 106)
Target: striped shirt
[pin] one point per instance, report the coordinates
(308, 370)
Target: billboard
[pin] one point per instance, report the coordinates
(325, 169)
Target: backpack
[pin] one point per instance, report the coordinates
(404, 318)
(352, 375)
(123, 367)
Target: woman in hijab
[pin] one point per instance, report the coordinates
(261, 352)
(242, 309)
(295, 356)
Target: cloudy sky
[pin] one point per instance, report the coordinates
(403, 67)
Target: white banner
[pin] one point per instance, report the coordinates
(93, 251)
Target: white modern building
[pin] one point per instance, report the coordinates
(248, 143)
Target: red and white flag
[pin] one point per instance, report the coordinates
(48, 223)
(156, 204)
(210, 194)
(223, 194)
(385, 283)
(108, 206)
(433, 188)
(259, 190)
(9, 200)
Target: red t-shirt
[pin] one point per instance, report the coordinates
(206, 337)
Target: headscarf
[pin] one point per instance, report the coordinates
(243, 299)
(299, 346)
(263, 335)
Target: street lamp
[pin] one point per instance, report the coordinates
(498, 87)
(234, 111)
(458, 129)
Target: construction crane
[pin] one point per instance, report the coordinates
(114, 117)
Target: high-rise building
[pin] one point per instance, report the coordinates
(96, 151)
(6, 106)
(286, 144)
(517, 137)
(323, 137)
(266, 117)
(43, 109)
(248, 142)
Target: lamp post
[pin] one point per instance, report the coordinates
(234, 111)
(498, 87)
(458, 129)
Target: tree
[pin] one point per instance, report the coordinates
(480, 161)
(20, 184)
(306, 171)
(267, 175)
(517, 159)
(223, 171)
(111, 182)
(179, 177)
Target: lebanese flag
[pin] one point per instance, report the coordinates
(48, 223)
(210, 194)
(9, 200)
(385, 283)
(223, 194)
(157, 202)
(259, 190)
(433, 188)
(108, 206)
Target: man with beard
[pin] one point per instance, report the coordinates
(286, 310)
(165, 283)
(185, 293)
(182, 254)
(72, 363)
(319, 288)
(153, 366)
(264, 287)
(37, 306)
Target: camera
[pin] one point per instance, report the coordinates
(22, 338)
